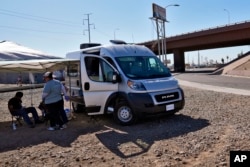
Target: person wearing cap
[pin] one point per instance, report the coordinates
(16, 108)
(52, 97)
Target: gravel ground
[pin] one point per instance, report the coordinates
(202, 134)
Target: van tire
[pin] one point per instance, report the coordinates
(124, 114)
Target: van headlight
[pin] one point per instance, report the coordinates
(135, 85)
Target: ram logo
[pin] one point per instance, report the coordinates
(167, 96)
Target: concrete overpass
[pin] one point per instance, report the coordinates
(237, 34)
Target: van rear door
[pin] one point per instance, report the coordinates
(98, 82)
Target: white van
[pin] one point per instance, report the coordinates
(126, 80)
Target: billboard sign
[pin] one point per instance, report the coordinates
(159, 12)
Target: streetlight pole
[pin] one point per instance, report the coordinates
(171, 5)
(228, 14)
(164, 42)
(114, 32)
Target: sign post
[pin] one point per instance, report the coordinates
(159, 15)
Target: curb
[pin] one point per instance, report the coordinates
(214, 88)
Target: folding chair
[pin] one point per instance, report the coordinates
(15, 118)
(45, 114)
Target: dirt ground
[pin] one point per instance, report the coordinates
(202, 134)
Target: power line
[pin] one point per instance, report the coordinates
(37, 18)
(44, 31)
(103, 33)
(47, 20)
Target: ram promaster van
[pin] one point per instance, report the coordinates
(125, 80)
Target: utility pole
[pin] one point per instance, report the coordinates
(89, 25)
(198, 59)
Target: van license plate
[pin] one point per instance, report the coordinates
(169, 107)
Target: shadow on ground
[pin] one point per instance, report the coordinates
(111, 135)
(142, 136)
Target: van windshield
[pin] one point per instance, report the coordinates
(142, 67)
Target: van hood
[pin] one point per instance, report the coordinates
(161, 84)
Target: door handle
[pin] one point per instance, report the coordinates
(77, 83)
(86, 86)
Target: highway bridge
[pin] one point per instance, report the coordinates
(237, 34)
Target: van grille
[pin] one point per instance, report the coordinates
(167, 97)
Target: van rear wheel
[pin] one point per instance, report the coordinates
(124, 114)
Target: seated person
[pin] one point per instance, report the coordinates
(16, 109)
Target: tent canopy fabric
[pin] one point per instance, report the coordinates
(34, 65)
(13, 51)
(18, 58)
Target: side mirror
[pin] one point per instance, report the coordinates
(115, 77)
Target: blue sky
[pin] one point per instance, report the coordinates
(59, 26)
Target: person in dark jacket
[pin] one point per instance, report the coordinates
(16, 109)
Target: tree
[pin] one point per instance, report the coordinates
(222, 60)
(227, 58)
(240, 54)
(211, 62)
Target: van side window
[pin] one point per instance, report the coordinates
(98, 70)
(72, 70)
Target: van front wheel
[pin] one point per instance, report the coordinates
(124, 114)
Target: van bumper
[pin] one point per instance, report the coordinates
(142, 103)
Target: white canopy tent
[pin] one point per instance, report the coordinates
(34, 65)
(13, 51)
(17, 61)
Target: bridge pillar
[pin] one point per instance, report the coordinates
(179, 61)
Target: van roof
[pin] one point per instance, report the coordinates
(125, 50)
(116, 50)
